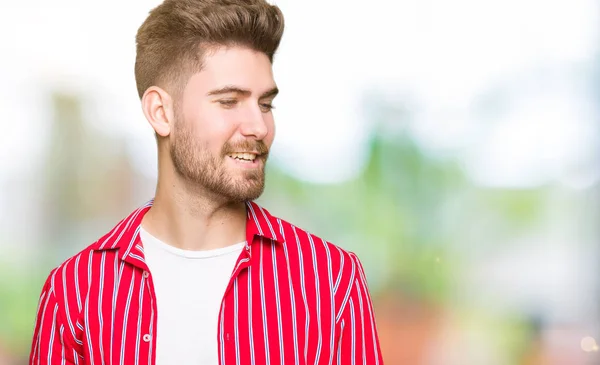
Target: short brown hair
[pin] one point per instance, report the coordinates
(172, 41)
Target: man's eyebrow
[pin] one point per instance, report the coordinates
(229, 89)
(273, 92)
(238, 90)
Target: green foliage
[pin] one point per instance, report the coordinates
(19, 290)
(389, 215)
(406, 215)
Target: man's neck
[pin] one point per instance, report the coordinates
(194, 221)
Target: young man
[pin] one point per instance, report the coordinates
(201, 274)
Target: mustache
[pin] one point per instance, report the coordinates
(246, 146)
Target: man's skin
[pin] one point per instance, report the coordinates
(200, 191)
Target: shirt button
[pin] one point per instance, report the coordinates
(146, 274)
(147, 337)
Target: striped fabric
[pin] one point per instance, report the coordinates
(293, 298)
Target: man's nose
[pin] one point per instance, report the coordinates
(253, 123)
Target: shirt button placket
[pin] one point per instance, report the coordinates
(147, 338)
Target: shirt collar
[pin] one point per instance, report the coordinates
(125, 235)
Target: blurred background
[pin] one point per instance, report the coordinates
(453, 145)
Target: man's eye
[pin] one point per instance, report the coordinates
(228, 102)
(266, 107)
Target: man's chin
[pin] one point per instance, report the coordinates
(251, 193)
(243, 190)
(232, 186)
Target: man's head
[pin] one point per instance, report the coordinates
(204, 74)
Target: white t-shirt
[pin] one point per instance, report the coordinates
(189, 288)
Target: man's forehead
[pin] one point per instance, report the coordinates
(214, 84)
(234, 57)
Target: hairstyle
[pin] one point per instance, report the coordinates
(173, 40)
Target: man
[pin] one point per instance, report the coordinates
(201, 274)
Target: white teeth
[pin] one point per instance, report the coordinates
(243, 156)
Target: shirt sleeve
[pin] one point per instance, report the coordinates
(359, 339)
(49, 345)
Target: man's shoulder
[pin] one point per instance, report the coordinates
(324, 253)
(77, 271)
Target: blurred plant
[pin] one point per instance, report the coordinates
(20, 289)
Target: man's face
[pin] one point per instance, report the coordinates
(224, 126)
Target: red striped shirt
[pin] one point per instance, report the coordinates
(293, 298)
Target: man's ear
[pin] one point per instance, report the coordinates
(157, 106)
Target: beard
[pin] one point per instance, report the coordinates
(194, 162)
